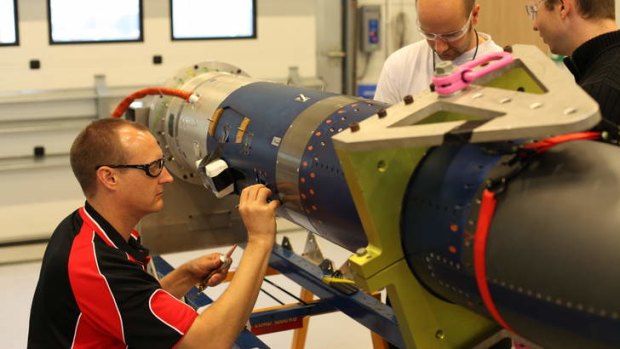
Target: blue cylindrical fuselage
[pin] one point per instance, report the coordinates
(287, 146)
(276, 135)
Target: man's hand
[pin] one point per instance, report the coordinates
(201, 268)
(226, 261)
(236, 303)
(180, 280)
(259, 216)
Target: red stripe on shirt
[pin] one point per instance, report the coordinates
(168, 310)
(93, 295)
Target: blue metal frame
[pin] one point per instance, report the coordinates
(198, 299)
(363, 308)
(360, 306)
(316, 308)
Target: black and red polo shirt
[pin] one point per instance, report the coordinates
(94, 292)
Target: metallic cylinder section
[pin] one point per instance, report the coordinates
(181, 128)
(273, 134)
(551, 251)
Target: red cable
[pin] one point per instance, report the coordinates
(124, 104)
(487, 209)
(545, 144)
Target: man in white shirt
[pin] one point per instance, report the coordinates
(449, 28)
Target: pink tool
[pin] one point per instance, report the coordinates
(455, 78)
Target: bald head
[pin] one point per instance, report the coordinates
(463, 7)
(442, 16)
(449, 26)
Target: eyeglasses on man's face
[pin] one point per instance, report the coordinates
(451, 36)
(532, 9)
(152, 169)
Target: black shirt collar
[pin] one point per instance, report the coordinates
(586, 55)
(132, 246)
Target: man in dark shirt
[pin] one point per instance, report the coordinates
(586, 32)
(93, 290)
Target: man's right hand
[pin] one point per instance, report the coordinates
(220, 323)
(259, 216)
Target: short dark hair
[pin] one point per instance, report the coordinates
(98, 144)
(595, 9)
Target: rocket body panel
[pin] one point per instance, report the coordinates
(287, 146)
(553, 225)
(276, 135)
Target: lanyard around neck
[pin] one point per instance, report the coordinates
(475, 52)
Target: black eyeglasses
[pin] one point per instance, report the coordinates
(152, 169)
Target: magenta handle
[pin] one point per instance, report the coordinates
(465, 74)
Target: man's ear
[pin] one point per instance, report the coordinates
(566, 6)
(474, 14)
(107, 177)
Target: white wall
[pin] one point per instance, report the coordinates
(286, 30)
(37, 194)
(286, 36)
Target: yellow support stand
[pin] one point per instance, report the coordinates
(377, 180)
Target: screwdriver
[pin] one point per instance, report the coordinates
(226, 261)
